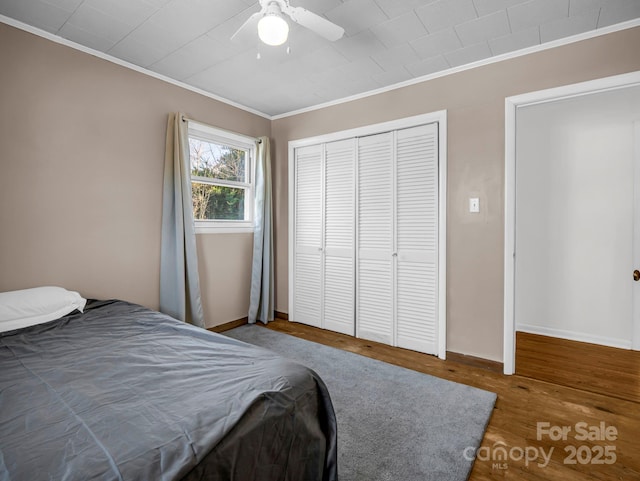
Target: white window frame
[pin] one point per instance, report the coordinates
(214, 135)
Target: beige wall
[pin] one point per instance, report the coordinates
(474, 100)
(81, 155)
(81, 165)
(225, 273)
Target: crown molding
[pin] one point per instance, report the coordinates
(498, 58)
(480, 63)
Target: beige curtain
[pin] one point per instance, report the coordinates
(261, 302)
(179, 281)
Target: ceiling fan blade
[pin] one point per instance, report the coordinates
(315, 23)
(248, 27)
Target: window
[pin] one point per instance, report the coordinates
(221, 166)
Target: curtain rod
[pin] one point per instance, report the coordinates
(187, 119)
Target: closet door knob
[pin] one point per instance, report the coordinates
(636, 275)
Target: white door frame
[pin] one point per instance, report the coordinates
(511, 106)
(441, 118)
(635, 335)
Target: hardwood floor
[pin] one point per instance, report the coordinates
(522, 403)
(590, 367)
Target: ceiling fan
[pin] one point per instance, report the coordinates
(273, 28)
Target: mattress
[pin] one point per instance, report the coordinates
(121, 392)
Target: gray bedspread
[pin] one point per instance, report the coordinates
(124, 393)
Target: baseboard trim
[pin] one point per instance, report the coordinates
(574, 336)
(486, 364)
(229, 325)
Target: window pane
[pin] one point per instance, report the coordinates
(215, 202)
(217, 161)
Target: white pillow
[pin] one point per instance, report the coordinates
(28, 307)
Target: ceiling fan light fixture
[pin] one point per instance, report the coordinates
(273, 29)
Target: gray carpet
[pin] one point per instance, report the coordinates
(394, 424)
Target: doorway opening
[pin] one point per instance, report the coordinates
(570, 221)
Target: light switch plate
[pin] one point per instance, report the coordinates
(474, 205)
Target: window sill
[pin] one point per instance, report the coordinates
(209, 227)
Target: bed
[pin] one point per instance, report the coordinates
(120, 392)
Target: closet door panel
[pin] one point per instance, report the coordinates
(375, 301)
(307, 303)
(374, 309)
(339, 268)
(339, 295)
(416, 308)
(417, 237)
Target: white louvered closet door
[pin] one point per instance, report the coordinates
(366, 237)
(307, 302)
(374, 298)
(417, 238)
(339, 233)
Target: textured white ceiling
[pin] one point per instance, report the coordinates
(386, 41)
